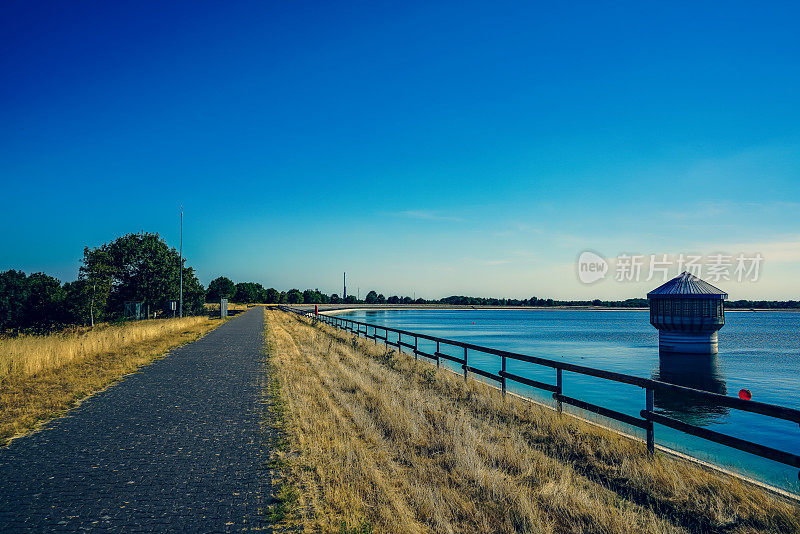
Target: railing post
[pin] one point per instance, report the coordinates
(651, 446)
(502, 376)
(465, 364)
(416, 339)
(438, 360)
(559, 387)
(399, 339)
(385, 338)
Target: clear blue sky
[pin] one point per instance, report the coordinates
(436, 147)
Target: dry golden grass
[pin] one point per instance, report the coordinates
(42, 376)
(232, 306)
(26, 355)
(379, 441)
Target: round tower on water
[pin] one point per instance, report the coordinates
(688, 312)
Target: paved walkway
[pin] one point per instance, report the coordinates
(174, 447)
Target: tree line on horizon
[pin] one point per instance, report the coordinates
(142, 268)
(255, 293)
(139, 268)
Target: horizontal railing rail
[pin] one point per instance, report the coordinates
(646, 418)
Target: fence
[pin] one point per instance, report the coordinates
(647, 416)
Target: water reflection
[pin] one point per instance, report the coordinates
(696, 371)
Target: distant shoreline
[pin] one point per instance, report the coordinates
(329, 309)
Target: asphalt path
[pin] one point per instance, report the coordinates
(176, 446)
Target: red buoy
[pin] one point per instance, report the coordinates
(316, 309)
(745, 394)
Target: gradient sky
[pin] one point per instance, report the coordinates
(431, 147)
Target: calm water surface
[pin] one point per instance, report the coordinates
(758, 351)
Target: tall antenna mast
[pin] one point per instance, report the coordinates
(344, 283)
(180, 306)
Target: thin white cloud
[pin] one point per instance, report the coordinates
(783, 251)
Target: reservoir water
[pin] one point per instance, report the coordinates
(759, 351)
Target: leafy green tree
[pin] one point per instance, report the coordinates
(371, 298)
(394, 299)
(220, 288)
(293, 296)
(13, 295)
(335, 299)
(271, 296)
(315, 296)
(381, 299)
(141, 268)
(33, 302)
(43, 309)
(78, 303)
(97, 273)
(350, 299)
(194, 294)
(248, 292)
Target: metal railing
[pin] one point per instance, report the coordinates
(647, 416)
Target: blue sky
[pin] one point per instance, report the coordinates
(434, 147)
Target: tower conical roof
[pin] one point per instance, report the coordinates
(687, 285)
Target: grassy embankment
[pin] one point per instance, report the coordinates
(42, 376)
(232, 306)
(373, 440)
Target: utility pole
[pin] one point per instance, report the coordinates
(91, 304)
(180, 306)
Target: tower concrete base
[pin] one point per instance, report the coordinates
(695, 343)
